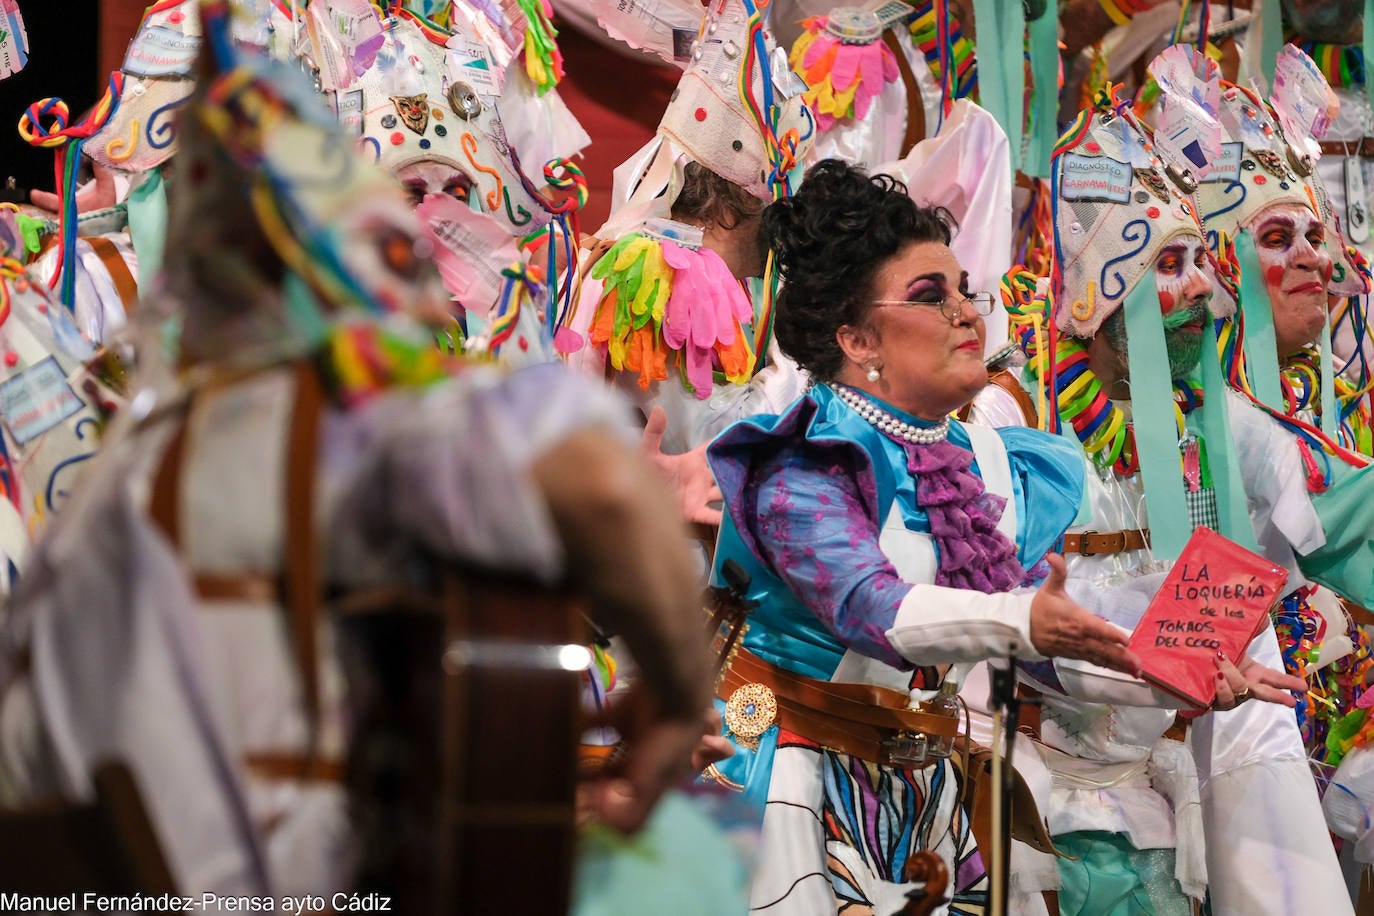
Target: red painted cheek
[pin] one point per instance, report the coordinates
(1328, 271)
(1273, 275)
(1166, 302)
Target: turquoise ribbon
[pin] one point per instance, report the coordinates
(1000, 50)
(1271, 39)
(148, 225)
(1330, 420)
(1044, 55)
(1368, 49)
(1261, 346)
(1233, 510)
(1156, 430)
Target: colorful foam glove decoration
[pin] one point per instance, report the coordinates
(843, 78)
(661, 297)
(543, 60)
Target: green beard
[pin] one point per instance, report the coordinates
(1184, 347)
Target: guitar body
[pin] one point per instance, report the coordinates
(462, 771)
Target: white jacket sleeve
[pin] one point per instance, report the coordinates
(935, 624)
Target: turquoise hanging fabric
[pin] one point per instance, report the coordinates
(1368, 49)
(148, 225)
(1044, 55)
(1156, 430)
(1000, 51)
(1271, 39)
(1345, 564)
(1233, 509)
(1330, 420)
(1261, 347)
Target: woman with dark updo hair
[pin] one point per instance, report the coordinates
(889, 548)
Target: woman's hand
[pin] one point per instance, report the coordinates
(688, 473)
(1235, 684)
(99, 195)
(713, 746)
(1061, 628)
(658, 753)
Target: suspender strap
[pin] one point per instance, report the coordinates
(299, 591)
(302, 575)
(915, 105)
(117, 268)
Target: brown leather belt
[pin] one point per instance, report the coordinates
(251, 588)
(1092, 543)
(854, 719)
(299, 767)
(1179, 729)
(1363, 147)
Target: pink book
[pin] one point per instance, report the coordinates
(1215, 598)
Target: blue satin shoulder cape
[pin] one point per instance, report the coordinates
(1047, 481)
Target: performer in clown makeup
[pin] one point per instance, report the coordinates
(1290, 242)
(307, 382)
(1132, 335)
(1268, 193)
(683, 243)
(453, 113)
(1284, 235)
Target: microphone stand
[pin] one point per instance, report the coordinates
(1006, 708)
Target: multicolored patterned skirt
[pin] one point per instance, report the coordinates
(837, 832)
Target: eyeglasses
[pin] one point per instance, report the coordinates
(952, 307)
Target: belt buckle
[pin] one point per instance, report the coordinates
(1083, 540)
(907, 749)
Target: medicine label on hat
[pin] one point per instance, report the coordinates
(37, 399)
(469, 62)
(349, 108)
(159, 51)
(1095, 178)
(14, 39)
(1226, 167)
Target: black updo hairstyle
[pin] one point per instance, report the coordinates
(830, 239)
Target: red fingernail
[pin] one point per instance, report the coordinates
(1220, 654)
(1220, 676)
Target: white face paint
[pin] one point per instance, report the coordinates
(1181, 274)
(1297, 268)
(1184, 283)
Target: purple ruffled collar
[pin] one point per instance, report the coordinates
(963, 515)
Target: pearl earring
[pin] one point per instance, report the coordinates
(874, 373)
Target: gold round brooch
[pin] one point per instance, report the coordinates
(750, 711)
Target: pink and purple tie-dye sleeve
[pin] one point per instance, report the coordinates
(814, 530)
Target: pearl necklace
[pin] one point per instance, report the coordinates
(888, 424)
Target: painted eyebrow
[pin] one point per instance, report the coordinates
(937, 277)
(1272, 221)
